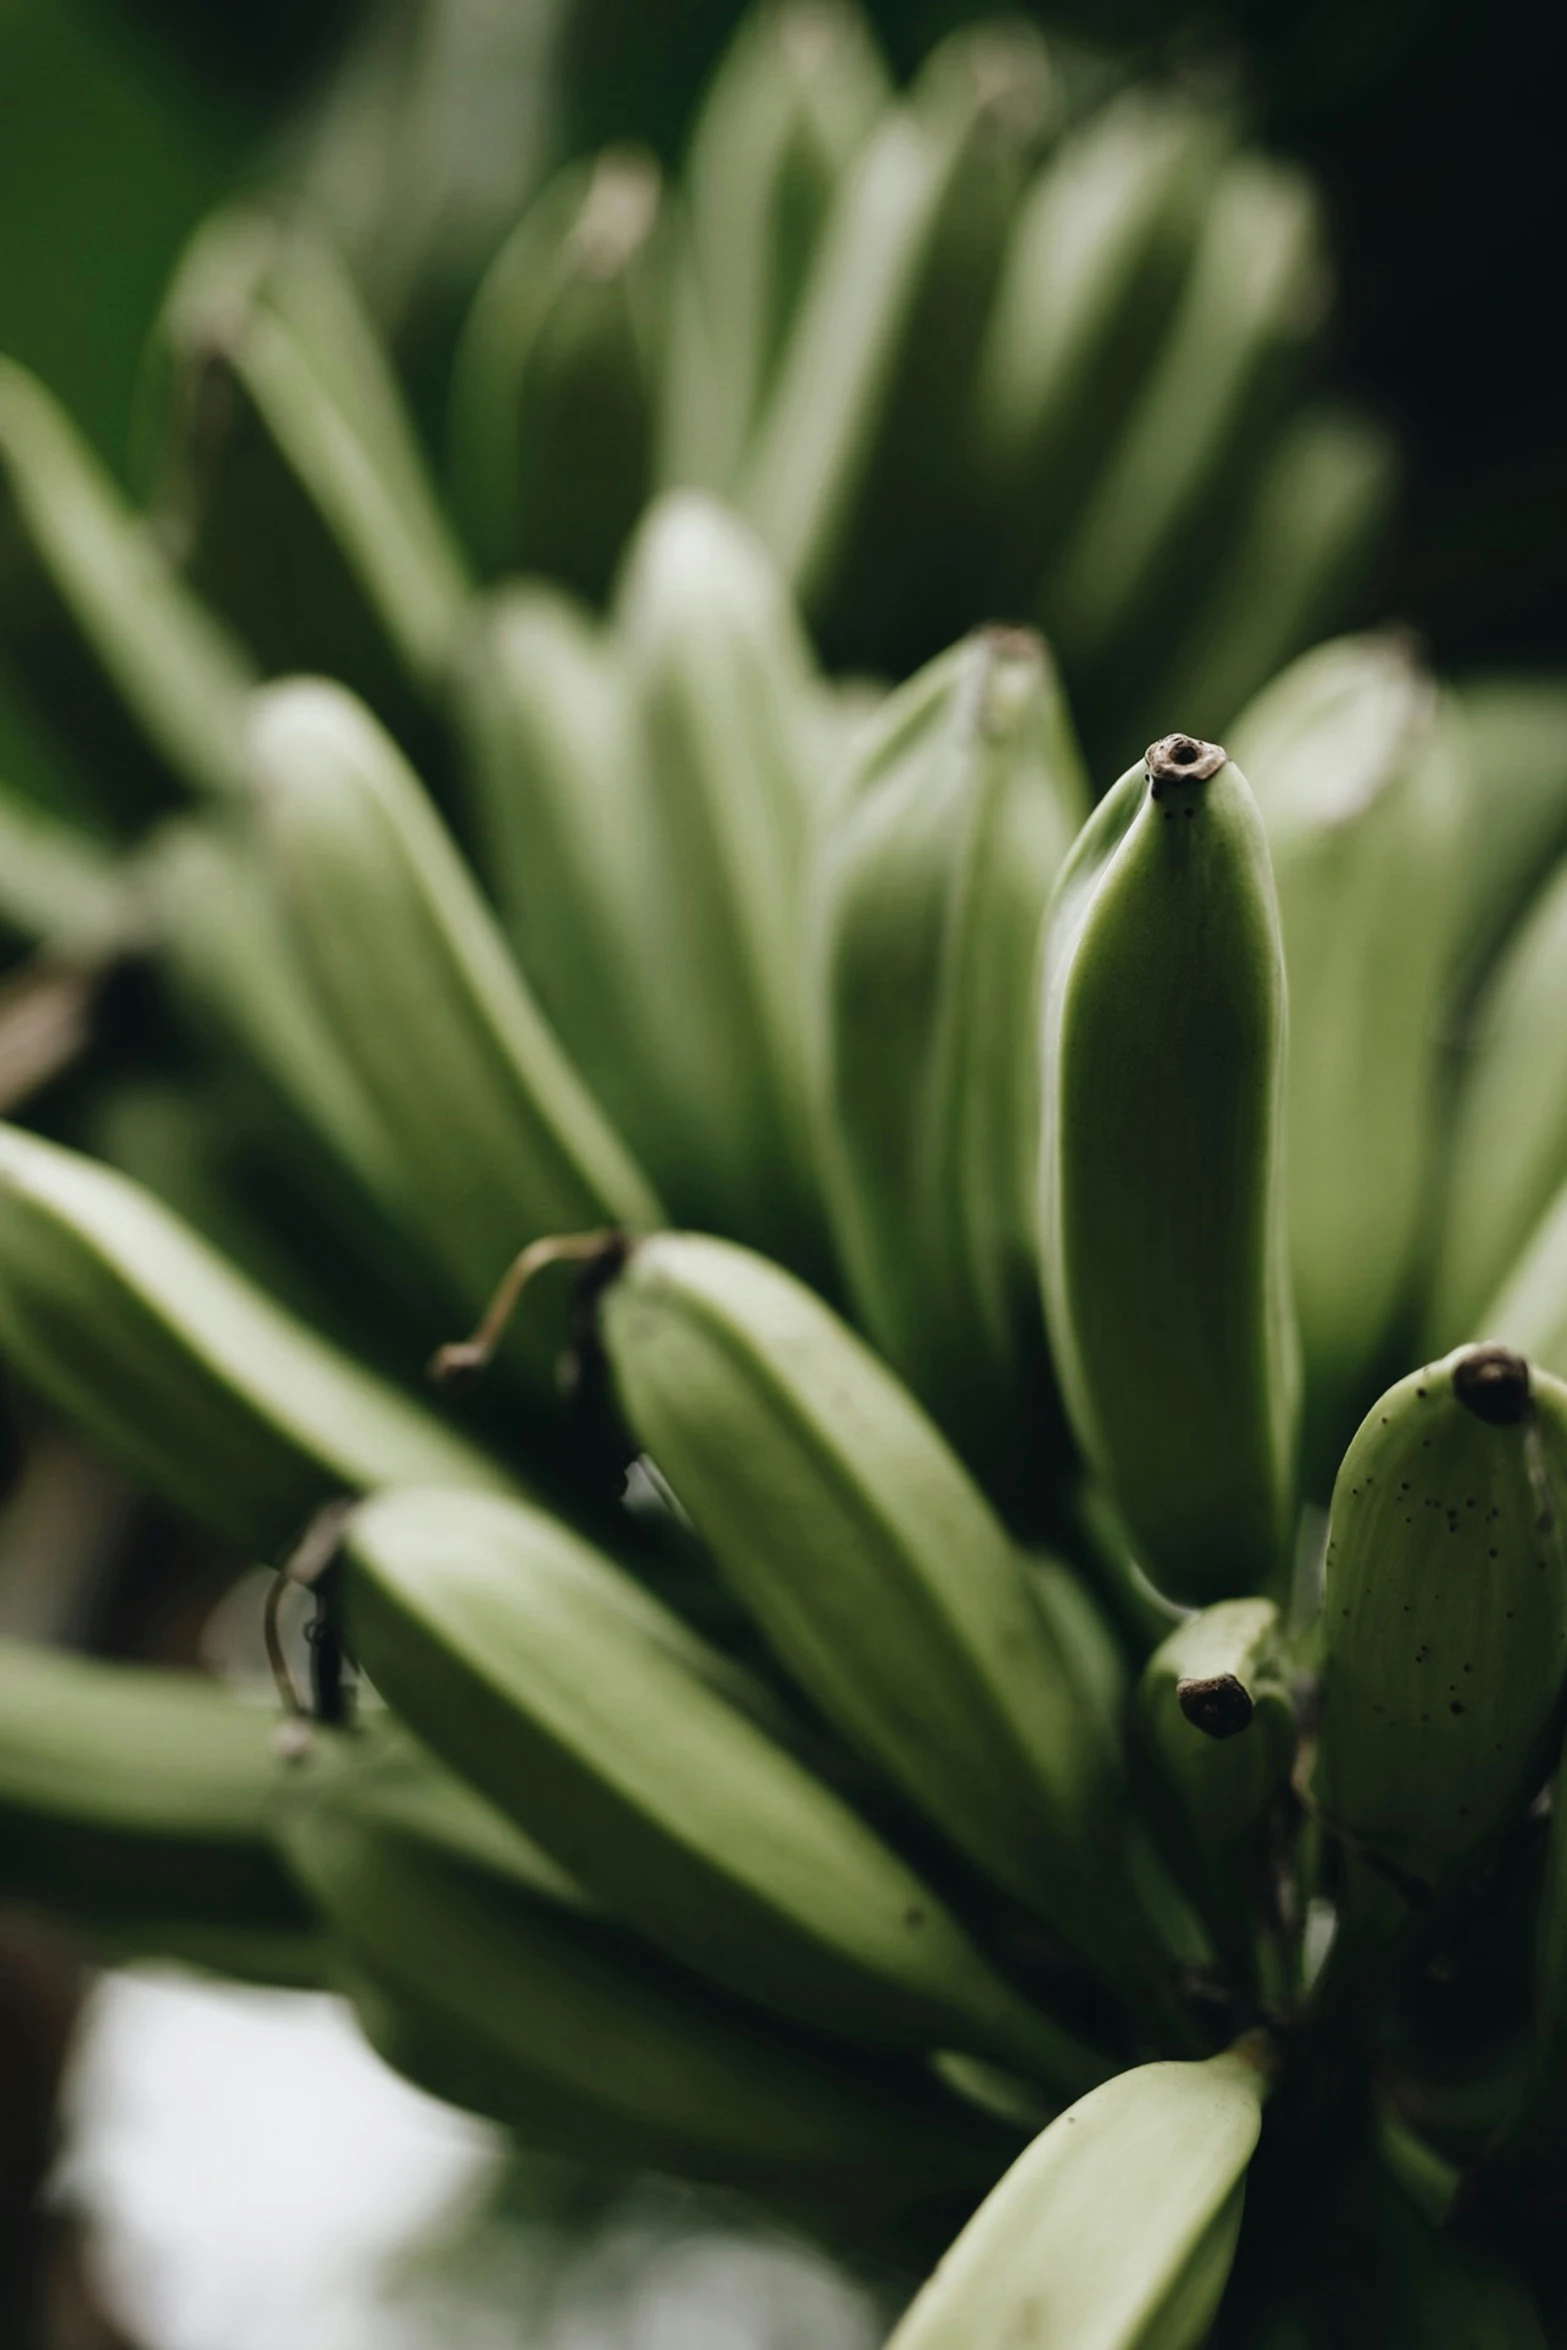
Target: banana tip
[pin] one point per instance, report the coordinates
(1494, 1384)
(459, 1364)
(1182, 758)
(1219, 1705)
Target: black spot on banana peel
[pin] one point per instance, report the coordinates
(1163, 1246)
(1445, 1612)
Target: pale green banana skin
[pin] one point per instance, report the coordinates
(202, 1388)
(718, 675)
(134, 1801)
(795, 96)
(181, 678)
(497, 1139)
(1515, 823)
(482, 1970)
(1355, 772)
(274, 310)
(1116, 2229)
(1094, 264)
(1307, 530)
(1217, 1727)
(613, 1735)
(1253, 297)
(1507, 1152)
(930, 890)
(1444, 1616)
(1162, 1232)
(553, 380)
(876, 1569)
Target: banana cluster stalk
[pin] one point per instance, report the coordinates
(894, 1697)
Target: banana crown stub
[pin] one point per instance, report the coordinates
(1181, 758)
(1218, 1704)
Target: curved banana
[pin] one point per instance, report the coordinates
(289, 472)
(1354, 768)
(1254, 295)
(611, 1733)
(1095, 260)
(1444, 1613)
(928, 907)
(481, 1970)
(496, 1138)
(1117, 2227)
(858, 451)
(1162, 1228)
(134, 1800)
(1296, 552)
(96, 602)
(875, 1568)
(139, 1334)
(1514, 731)
(553, 383)
(1507, 1152)
(1217, 1729)
(720, 683)
(794, 98)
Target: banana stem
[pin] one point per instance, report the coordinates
(466, 1358)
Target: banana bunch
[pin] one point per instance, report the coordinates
(936, 1656)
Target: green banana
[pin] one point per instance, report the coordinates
(1507, 1152)
(1515, 827)
(496, 1139)
(1355, 772)
(90, 600)
(58, 883)
(138, 1333)
(1297, 551)
(720, 684)
(930, 890)
(551, 432)
(1162, 1219)
(1217, 1728)
(482, 1971)
(855, 465)
(134, 1800)
(875, 1568)
(565, 835)
(1094, 264)
(1256, 290)
(796, 95)
(288, 473)
(1444, 1614)
(1117, 2227)
(615, 1736)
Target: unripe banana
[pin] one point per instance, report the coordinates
(1162, 1228)
(875, 1568)
(1217, 1730)
(931, 887)
(855, 471)
(720, 682)
(792, 103)
(1296, 552)
(1515, 737)
(553, 381)
(496, 1138)
(1094, 264)
(1356, 776)
(1507, 1156)
(1444, 1613)
(290, 475)
(1254, 295)
(1116, 2229)
(566, 835)
(139, 1334)
(614, 1736)
(134, 1800)
(89, 600)
(479, 1968)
